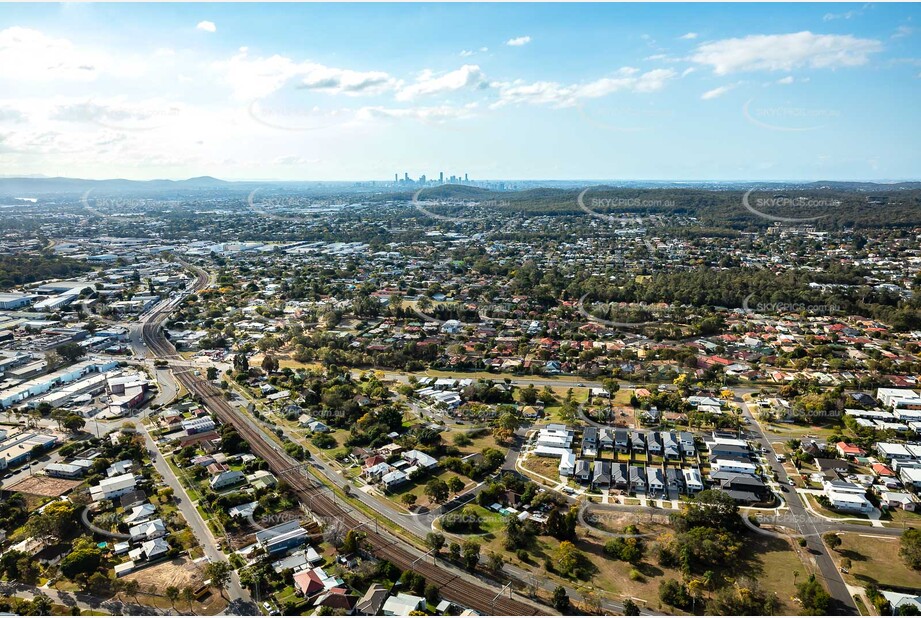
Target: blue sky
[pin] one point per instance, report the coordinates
(547, 91)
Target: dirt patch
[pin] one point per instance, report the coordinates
(43, 486)
(180, 573)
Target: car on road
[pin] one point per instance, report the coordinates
(580, 384)
(791, 482)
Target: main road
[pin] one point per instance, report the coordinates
(806, 524)
(241, 601)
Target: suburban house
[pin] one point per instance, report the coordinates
(637, 479)
(655, 480)
(567, 464)
(731, 465)
(226, 479)
(670, 447)
(393, 479)
(372, 601)
(688, 448)
(590, 442)
(281, 537)
(606, 439)
(602, 476)
(638, 441)
(583, 471)
(113, 487)
(621, 440)
(673, 481)
(910, 477)
(620, 476)
(654, 443)
(693, 482)
(845, 496)
(418, 458)
(743, 488)
(846, 450)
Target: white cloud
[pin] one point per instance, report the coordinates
(468, 76)
(518, 41)
(626, 79)
(784, 52)
(689, 36)
(687, 71)
(30, 55)
(253, 78)
(717, 92)
(206, 26)
(785, 80)
(466, 53)
(902, 31)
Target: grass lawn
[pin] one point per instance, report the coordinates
(901, 517)
(194, 495)
(545, 466)
(875, 560)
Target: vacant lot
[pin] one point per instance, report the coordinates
(545, 466)
(182, 573)
(43, 486)
(875, 559)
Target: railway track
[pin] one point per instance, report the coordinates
(481, 598)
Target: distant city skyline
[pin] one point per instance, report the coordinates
(317, 92)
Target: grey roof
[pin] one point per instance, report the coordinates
(602, 472)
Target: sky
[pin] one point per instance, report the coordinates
(497, 91)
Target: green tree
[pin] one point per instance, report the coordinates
(70, 352)
(631, 608)
(832, 540)
(437, 490)
(455, 484)
(560, 600)
(910, 548)
(408, 499)
(82, 561)
(471, 554)
(219, 574)
(172, 593)
(813, 596)
(436, 541)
